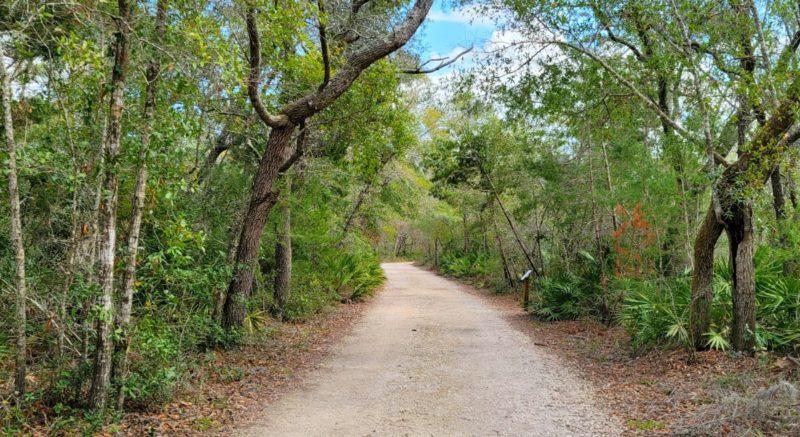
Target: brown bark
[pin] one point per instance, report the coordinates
(283, 255)
(778, 199)
(101, 379)
(20, 284)
(702, 277)
(739, 229)
(262, 199)
(283, 125)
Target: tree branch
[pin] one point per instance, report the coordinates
(299, 150)
(443, 62)
(603, 19)
(628, 84)
(254, 78)
(357, 62)
(323, 42)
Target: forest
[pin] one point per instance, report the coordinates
(186, 177)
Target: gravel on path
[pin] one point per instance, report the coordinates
(431, 359)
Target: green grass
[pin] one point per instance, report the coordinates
(646, 425)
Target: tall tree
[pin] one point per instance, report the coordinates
(135, 224)
(16, 233)
(101, 379)
(282, 127)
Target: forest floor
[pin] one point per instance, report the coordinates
(227, 388)
(667, 391)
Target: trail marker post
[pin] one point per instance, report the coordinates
(526, 279)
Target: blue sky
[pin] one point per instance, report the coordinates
(448, 30)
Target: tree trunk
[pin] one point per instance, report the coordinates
(739, 229)
(283, 254)
(108, 211)
(778, 199)
(233, 246)
(69, 273)
(262, 199)
(362, 195)
(703, 276)
(16, 236)
(507, 275)
(511, 225)
(129, 276)
(758, 159)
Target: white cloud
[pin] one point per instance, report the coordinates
(467, 15)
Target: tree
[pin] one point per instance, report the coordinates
(732, 211)
(282, 127)
(20, 284)
(101, 379)
(134, 227)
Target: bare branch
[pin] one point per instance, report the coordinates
(720, 160)
(443, 62)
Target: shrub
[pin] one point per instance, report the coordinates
(155, 363)
(473, 264)
(563, 297)
(355, 276)
(656, 311)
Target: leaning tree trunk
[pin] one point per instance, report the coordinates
(101, 379)
(16, 235)
(233, 245)
(506, 269)
(129, 277)
(283, 255)
(262, 199)
(703, 276)
(283, 125)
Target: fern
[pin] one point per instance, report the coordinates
(717, 341)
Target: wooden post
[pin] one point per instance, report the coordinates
(526, 279)
(525, 295)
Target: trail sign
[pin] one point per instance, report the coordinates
(525, 278)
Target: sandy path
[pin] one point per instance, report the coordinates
(431, 359)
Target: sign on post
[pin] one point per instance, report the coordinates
(525, 278)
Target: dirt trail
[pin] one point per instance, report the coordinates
(431, 359)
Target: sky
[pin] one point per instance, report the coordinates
(448, 31)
